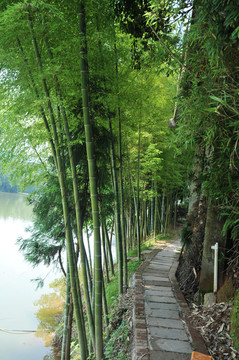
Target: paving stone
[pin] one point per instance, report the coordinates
(161, 260)
(151, 272)
(162, 313)
(158, 355)
(161, 299)
(161, 306)
(157, 272)
(156, 292)
(166, 333)
(157, 283)
(156, 288)
(176, 346)
(158, 269)
(158, 266)
(169, 323)
(167, 254)
(154, 278)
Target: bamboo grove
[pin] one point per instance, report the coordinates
(86, 97)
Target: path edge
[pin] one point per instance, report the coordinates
(198, 343)
(140, 342)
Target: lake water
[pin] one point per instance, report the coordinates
(18, 293)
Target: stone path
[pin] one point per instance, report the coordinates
(160, 331)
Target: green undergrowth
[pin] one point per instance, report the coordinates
(235, 321)
(111, 288)
(113, 348)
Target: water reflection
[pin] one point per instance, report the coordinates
(14, 206)
(50, 309)
(49, 313)
(17, 291)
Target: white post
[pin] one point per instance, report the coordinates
(215, 248)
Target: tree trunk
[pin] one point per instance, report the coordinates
(195, 185)
(68, 316)
(123, 230)
(109, 251)
(162, 212)
(104, 253)
(118, 231)
(213, 234)
(93, 183)
(138, 203)
(89, 251)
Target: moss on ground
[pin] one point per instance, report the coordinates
(235, 321)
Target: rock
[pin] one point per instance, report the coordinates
(210, 299)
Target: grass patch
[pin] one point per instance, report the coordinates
(112, 288)
(165, 237)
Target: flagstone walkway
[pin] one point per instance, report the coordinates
(160, 327)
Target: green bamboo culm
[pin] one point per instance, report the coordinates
(62, 181)
(138, 203)
(118, 229)
(93, 184)
(64, 351)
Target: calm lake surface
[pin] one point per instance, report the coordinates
(18, 293)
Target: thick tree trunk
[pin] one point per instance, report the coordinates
(195, 185)
(213, 234)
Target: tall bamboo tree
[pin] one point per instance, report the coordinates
(93, 182)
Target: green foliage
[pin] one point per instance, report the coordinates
(47, 235)
(235, 321)
(121, 336)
